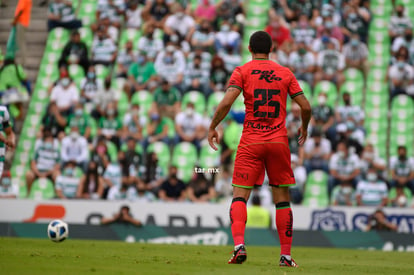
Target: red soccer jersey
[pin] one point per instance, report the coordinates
(265, 85)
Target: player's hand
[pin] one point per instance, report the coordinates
(213, 138)
(10, 144)
(303, 134)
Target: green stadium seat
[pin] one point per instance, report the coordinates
(138, 148)
(354, 75)
(101, 71)
(123, 104)
(213, 101)
(238, 105)
(129, 35)
(144, 99)
(316, 190)
(355, 89)
(42, 189)
(306, 88)
(86, 36)
(112, 151)
(77, 73)
(184, 157)
(195, 97)
(208, 157)
(393, 193)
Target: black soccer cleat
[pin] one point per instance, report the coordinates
(239, 256)
(286, 263)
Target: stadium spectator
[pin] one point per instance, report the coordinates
(323, 116)
(125, 58)
(226, 39)
(81, 120)
(369, 158)
(157, 128)
(294, 8)
(331, 29)
(343, 134)
(343, 166)
(405, 41)
(133, 123)
(402, 169)
(400, 75)
(91, 185)
(75, 52)
(203, 36)
(109, 9)
(281, 53)
(330, 65)
(142, 194)
(61, 14)
(74, 147)
(371, 191)
(8, 190)
(158, 10)
(130, 161)
(121, 192)
(21, 21)
(229, 10)
(206, 10)
(231, 58)
(399, 22)
(399, 196)
(46, 160)
(100, 154)
(54, 121)
(173, 188)
(296, 191)
(302, 63)
(67, 183)
(152, 174)
(303, 31)
(293, 122)
(89, 86)
(218, 74)
(349, 111)
(321, 43)
(149, 45)
(179, 23)
(12, 88)
(356, 54)
(103, 98)
(317, 151)
(200, 189)
(196, 77)
(277, 30)
(65, 94)
(104, 50)
(259, 217)
(378, 222)
(343, 194)
(124, 216)
(223, 186)
(133, 15)
(110, 125)
(142, 74)
(167, 100)
(355, 20)
(104, 24)
(170, 65)
(188, 126)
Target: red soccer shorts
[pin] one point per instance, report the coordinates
(254, 159)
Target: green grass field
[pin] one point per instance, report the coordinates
(30, 256)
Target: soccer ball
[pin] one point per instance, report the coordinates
(57, 230)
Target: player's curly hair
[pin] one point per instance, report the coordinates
(260, 42)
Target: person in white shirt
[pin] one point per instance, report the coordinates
(197, 78)
(104, 49)
(331, 64)
(369, 157)
(188, 125)
(90, 85)
(74, 147)
(7, 189)
(121, 192)
(401, 76)
(227, 38)
(356, 54)
(302, 63)
(371, 191)
(170, 65)
(317, 152)
(125, 58)
(349, 112)
(133, 123)
(343, 166)
(148, 43)
(103, 98)
(399, 22)
(66, 184)
(133, 15)
(406, 41)
(65, 94)
(179, 23)
(299, 171)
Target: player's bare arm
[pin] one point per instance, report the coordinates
(222, 110)
(306, 113)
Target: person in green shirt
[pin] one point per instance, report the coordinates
(12, 90)
(167, 98)
(81, 120)
(157, 129)
(110, 125)
(142, 74)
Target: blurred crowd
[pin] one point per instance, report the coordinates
(99, 136)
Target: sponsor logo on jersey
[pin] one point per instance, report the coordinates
(268, 76)
(259, 126)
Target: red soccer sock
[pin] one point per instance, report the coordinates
(238, 218)
(284, 224)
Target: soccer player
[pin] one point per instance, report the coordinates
(264, 143)
(7, 140)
